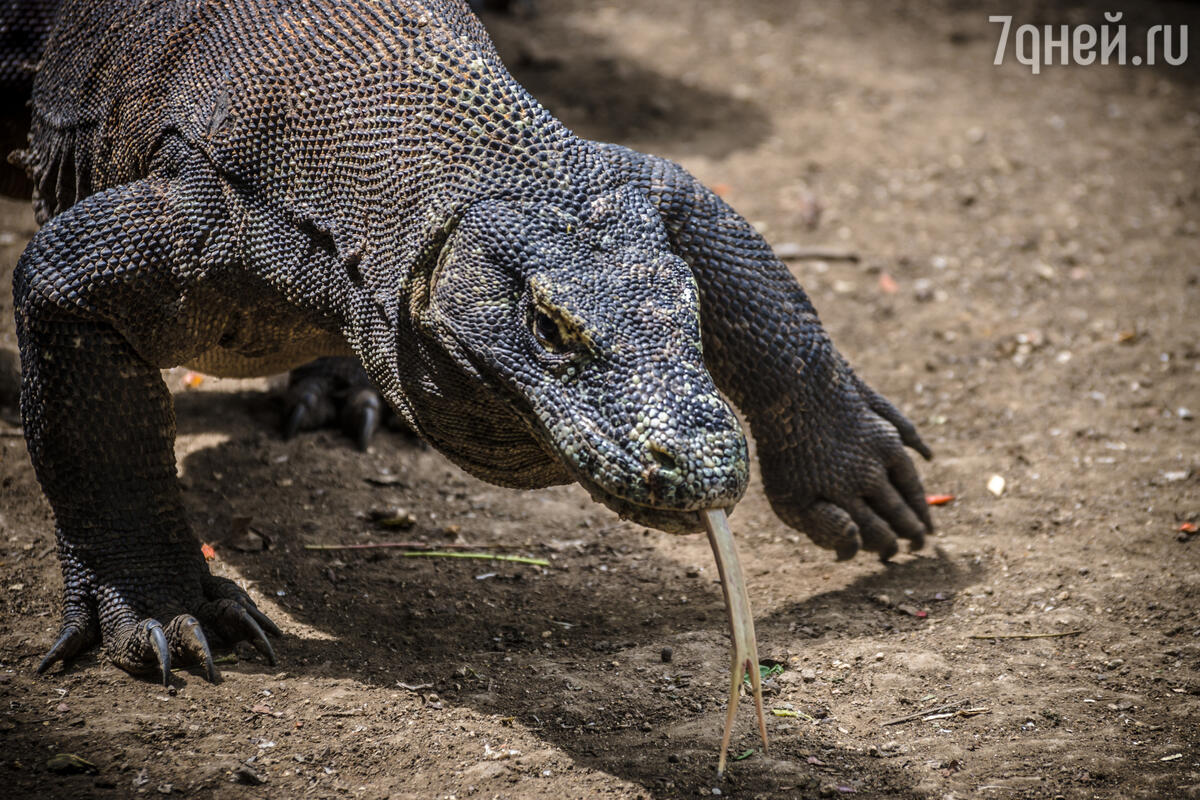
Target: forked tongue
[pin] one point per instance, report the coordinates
(741, 626)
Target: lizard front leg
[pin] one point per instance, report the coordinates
(831, 448)
(100, 426)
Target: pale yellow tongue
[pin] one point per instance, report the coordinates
(741, 626)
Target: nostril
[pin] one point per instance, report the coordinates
(663, 458)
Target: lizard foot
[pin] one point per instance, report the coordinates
(857, 488)
(336, 392)
(142, 645)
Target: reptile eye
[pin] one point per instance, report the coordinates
(548, 333)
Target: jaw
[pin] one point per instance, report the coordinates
(677, 521)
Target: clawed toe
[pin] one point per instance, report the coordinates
(191, 645)
(263, 621)
(308, 405)
(142, 649)
(330, 390)
(72, 640)
(234, 623)
(361, 416)
(228, 615)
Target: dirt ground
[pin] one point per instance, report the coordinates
(1027, 292)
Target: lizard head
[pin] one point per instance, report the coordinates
(563, 347)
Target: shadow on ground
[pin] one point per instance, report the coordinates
(595, 687)
(603, 95)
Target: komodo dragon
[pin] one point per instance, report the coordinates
(245, 186)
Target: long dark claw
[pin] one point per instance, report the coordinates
(295, 421)
(263, 621)
(192, 644)
(876, 534)
(908, 432)
(210, 669)
(366, 428)
(741, 627)
(363, 413)
(70, 641)
(904, 476)
(158, 640)
(909, 435)
(257, 637)
(829, 527)
(894, 510)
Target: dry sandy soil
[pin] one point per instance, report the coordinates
(1040, 236)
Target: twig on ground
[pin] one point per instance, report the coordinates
(537, 562)
(962, 712)
(957, 704)
(414, 687)
(440, 553)
(414, 545)
(1025, 635)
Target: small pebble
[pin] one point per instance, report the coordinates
(667, 654)
(923, 290)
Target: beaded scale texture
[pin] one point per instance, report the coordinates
(244, 187)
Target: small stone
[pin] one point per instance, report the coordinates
(808, 674)
(666, 654)
(1184, 413)
(673, 758)
(395, 518)
(996, 484)
(923, 290)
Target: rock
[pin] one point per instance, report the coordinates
(484, 771)
(246, 775)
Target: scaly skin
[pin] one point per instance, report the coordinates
(243, 188)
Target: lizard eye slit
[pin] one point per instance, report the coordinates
(549, 333)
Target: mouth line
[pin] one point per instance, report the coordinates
(670, 520)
